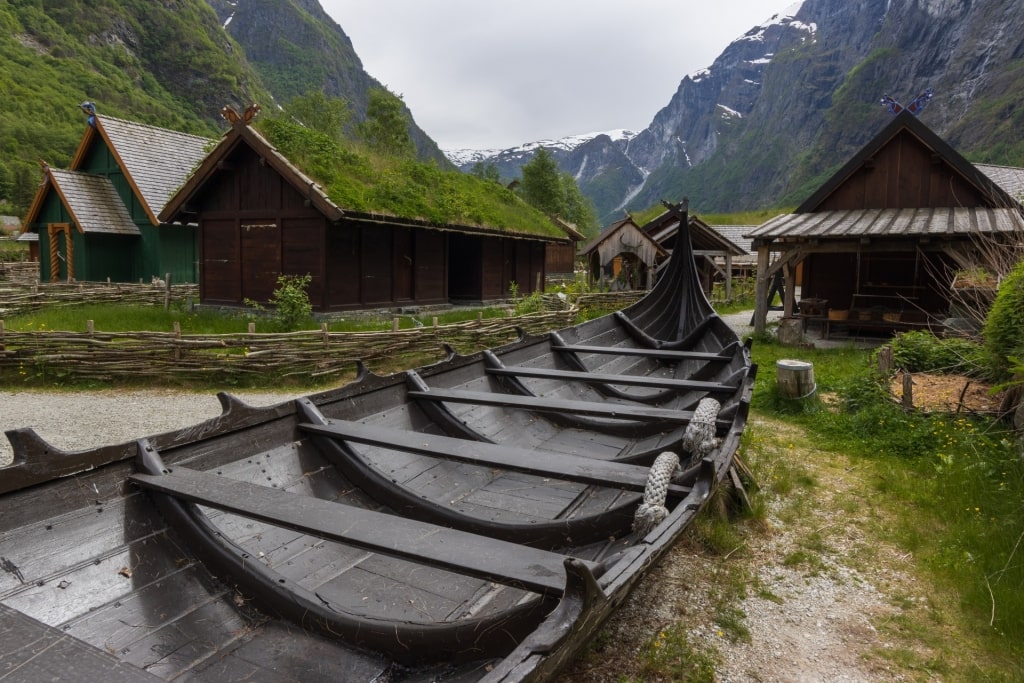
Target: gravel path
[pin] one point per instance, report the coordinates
(79, 420)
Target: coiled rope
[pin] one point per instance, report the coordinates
(699, 437)
(652, 511)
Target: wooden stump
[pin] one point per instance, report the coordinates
(795, 378)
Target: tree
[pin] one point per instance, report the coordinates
(386, 129)
(486, 171)
(542, 186)
(578, 208)
(317, 111)
(556, 193)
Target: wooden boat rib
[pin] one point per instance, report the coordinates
(473, 520)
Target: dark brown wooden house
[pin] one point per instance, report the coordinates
(883, 238)
(260, 217)
(560, 259)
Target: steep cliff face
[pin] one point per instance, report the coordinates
(749, 117)
(791, 100)
(297, 47)
(972, 53)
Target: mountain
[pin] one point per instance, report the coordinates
(595, 160)
(306, 50)
(790, 100)
(173, 64)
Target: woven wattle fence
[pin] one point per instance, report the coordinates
(171, 357)
(16, 299)
(174, 357)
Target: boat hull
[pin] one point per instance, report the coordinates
(474, 520)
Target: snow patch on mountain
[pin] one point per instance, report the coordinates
(461, 157)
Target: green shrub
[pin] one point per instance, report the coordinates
(922, 351)
(1004, 326)
(292, 308)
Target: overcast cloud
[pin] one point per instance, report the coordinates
(480, 74)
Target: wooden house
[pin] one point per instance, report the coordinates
(560, 259)
(623, 256)
(713, 251)
(260, 216)
(882, 239)
(98, 220)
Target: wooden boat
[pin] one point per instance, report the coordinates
(473, 520)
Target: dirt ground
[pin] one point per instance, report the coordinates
(810, 620)
(822, 589)
(951, 393)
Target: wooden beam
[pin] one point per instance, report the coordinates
(659, 354)
(458, 551)
(789, 280)
(616, 411)
(609, 378)
(542, 463)
(761, 289)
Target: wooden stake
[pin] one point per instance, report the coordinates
(908, 391)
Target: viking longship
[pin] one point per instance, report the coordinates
(477, 519)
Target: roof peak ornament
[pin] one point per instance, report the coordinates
(246, 117)
(90, 109)
(915, 106)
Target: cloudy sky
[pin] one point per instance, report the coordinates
(482, 74)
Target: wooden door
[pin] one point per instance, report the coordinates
(261, 258)
(62, 252)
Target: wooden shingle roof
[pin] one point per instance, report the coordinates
(93, 202)
(847, 224)
(737, 235)
(1009, 178)
(156, 160)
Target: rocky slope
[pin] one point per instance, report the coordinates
(306, 50)
(790, 100)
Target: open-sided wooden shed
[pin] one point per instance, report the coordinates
(883, 238)
(98, 219)
(714, 251)
(260, 216)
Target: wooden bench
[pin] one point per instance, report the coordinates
(891, 326)
(458, 551)
(545, 464)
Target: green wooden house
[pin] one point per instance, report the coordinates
(98, 220)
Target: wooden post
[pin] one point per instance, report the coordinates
(788, 297)
(252, 328)
(435, 324)
(177, 337)
(327, 337)
(908, 391)
(728, 277)
(885, 361)
(90, 328)
(761, 289)
(167, 291)
(2, 348)
(394, 324)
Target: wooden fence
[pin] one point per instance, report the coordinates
(171, 357)
(229, 358)
(16, 299)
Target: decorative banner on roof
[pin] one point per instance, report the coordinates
(915, 106)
